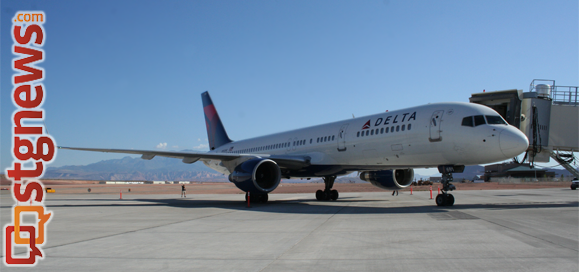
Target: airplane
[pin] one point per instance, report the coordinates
(384, 148)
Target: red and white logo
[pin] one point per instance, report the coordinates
(367, 125)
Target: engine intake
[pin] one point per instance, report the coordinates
(389, 179)
(256, 176)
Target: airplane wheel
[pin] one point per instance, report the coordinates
(449, 200)
(334, 194)
(320, 195)
(440, 200)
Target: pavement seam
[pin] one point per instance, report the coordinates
(148, 228)
(527, 234)
(304, 237)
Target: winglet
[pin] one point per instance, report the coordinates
(215, 131)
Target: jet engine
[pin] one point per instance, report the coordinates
(389, 179)
(256, 176)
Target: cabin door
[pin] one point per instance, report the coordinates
(435, 126)
(342, 138)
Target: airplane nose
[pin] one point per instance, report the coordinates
(513, 142)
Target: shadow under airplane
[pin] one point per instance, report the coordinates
(305, 206)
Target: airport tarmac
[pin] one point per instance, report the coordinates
(490, 230)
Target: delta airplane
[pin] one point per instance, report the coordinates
(384, 148)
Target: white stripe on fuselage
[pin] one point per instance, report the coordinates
(405, 148)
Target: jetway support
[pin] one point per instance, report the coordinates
(567, 160)
(548, 115)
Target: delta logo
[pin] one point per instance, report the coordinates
(367, 125)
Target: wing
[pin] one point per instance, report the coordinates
(284, 161)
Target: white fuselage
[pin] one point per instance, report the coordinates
(417, 137)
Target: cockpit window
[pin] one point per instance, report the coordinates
(495, 120)
(467, 122)
(479, 120)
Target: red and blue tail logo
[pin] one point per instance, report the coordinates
(215, 131)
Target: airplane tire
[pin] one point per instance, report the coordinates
(449, 200)
(320, 195)
(440, 200)
(334, 194)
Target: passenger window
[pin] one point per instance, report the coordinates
(479, 120)
(409, 126)
(371, 132)
(382, 131)
(333, 137)
(387, 130)
(467, 121)
(495, 120)
(397, 128)
(403, 127)
(362, 133)
(367, 132)
(392, 129)
(358, 134)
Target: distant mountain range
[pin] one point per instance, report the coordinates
(129, 168)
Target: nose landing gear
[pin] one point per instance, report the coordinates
(446, 199)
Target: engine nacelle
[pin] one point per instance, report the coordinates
(389, 179)
(256, 176)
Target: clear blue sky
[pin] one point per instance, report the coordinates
(129, 74)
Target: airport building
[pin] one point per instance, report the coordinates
(515, 170)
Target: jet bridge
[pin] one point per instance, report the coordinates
(548, 114)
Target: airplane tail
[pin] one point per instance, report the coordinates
(215, 131)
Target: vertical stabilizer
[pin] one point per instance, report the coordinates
(215, 131)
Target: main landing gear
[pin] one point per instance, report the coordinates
(255, 198)
(445, 199)
(328, 193)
